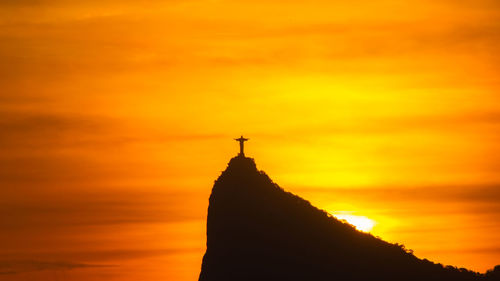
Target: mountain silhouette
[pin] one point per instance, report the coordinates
(258, 231)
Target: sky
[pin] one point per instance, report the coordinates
(117, 116)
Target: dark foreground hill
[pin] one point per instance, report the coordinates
(257, 231)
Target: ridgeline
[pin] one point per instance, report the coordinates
(257, 231)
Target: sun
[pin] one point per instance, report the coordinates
(361, 223)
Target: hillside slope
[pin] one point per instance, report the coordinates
(258, 231)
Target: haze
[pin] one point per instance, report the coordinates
(116, 117)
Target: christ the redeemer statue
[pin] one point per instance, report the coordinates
(242, 140)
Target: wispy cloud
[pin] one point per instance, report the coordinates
(487, 193)
(77, 208)
(20, 266)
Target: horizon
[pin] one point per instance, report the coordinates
(116, 117)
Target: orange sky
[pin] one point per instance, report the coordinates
(116, 118)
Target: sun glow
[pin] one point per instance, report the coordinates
(361, 223)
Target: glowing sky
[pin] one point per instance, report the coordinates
(116, 117)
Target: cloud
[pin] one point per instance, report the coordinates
(491, 250)
(479, 194)
(79, 208)
(367, 124)
(46, 124)
(25, 130)
(110, 44)
(14, 267)
(480, 202)
(102, 259)
(113, 255)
